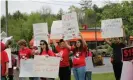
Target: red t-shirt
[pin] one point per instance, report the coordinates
(25, 53)
(79, 58)
(4, 60)
(65, 56)
(50, 53)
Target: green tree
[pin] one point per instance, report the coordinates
(90, 18)
(60, 13)
(86, 4)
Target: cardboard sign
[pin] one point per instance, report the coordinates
(127, 53)
(112, 28)
(56, 30)
(47, 66)
(127, 71)
(40, 66)
(26, 68)
(40, 33)
(70, 26)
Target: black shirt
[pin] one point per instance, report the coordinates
(117, 52)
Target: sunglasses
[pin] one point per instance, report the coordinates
(41, 44)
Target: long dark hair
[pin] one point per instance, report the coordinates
(47, 48)
(79, 48)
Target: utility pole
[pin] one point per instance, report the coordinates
(6, 2)
(95, 32)
(96, 39)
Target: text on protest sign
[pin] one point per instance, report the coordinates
(112, 28)
(70, 26)
(47, 66)
(127, 54)
(56, 30)
(41, 66)
(40, 32)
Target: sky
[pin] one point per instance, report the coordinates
(28, 6)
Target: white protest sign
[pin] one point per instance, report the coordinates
(46, 66)
(112, 28)
(26, 68)
(40, 66)
(40, 32)
(8, 50)
(70, 26)
(56, 30)
(127, 71)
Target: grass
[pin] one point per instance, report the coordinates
(103, 76)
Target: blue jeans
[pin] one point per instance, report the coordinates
(88, 75)
(79, 73)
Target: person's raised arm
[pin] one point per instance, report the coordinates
(49, 42)
(84, 42)
(67, 45)
(55, 44)
(48, 39)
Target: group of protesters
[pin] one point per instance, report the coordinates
(79, 51)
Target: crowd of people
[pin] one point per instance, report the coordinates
(79, 52)
(63, 50)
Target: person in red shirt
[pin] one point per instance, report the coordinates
(4, 62)
(79, 64)
(63, 50)
(45, 51)
(24, 52)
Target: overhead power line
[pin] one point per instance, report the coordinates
(66, 2)
(53, 3)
